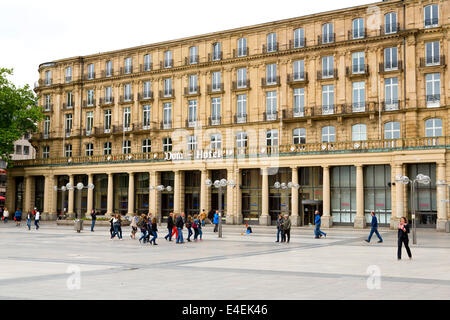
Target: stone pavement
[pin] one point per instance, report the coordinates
(45, 264)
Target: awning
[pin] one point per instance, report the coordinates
(2, 198)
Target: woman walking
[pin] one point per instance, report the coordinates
(175, 229)
(403, 230)
(29, 215)
(154, 230)
(134, 220)
(5, 215)
(195, 226)
(117, 225)
(143, 225)
(189, 227)
(169, 227)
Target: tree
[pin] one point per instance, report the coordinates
(19, 113)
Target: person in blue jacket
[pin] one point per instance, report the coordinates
(317, 221)
(216, 221)
(374, 228)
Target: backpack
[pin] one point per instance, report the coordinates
(195, 224)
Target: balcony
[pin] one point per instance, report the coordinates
(167, 94)
(433, 100)
(126, 70)
(67, 106)
(191, 91)
(142, 126)
(240, 52)
(240, 118)
(126, 99)
(358, 107)
(297, 43)
(394, 66)
(88, 132)
(240, 85)
(165, 125)
(216, 88)
(298, 78)
(68, 79)
(145, 67)
(107, 101)
(214, 121)
(48, 107)
(432, 61)
(391, 105)
(357, 71)
(356, 34)
(268, 82)
(327, 74)
(166, 64)
(89, 76)
(145, 96)
(326, 39)
(270, 48)
(89, 104)
(192, 123)
(389, 29)
(107, 73)
(273, 116)
(191, 60)
(46, 82)
(431, 23)
(121, 128)
(215, 56)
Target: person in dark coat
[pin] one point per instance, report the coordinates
(403, 230)
(179, 223)
(94, 218)
(287, 228)
(154, 230)
(280, 222)
(317, 220)
(374, 228)
(169, 227)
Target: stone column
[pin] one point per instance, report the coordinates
(230, 218)
(110, 201)
(130, 194)
(238, 194)
(204, 191)
(399, 197)
(27, 196)
(90, 196)
(153, 195)
(70, 211)
(53, 199)
(360, 220)
(176, 192)
(327, 220)
(265, 219)
(441, 192)
(48, 189)
(10, 193)
(295, 218)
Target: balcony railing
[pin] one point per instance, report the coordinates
(166, 64)
(145, 67)
(390, 105)
(106, 101)
(241, 52)
(48, 107)
(357, 70)
(166, 94)
(215, 56)
(240, 118)
(272, 116)
(216, 88)
(433, 100)
(299, 77)
(107, 73)
(389, 28)
(432, 61)
(191, 123)
(327, 38)
(165, 125)
(142, 126)
(297, 43)
(87, 104)
(431, 22)
(273, 81)
(121, 128)
(191, 91)
(391, 67)
(126, 99)
(237, 85)
(270, 48)
(191, 60)
(356, 34)
(67, 106)
(68, 78)
(328, 74)
(214, 121)
(142, 96)
(89, 76)
(126, 70)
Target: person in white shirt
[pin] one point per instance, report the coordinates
(36, 219)
(5, 215)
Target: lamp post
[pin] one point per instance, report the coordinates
(80, 186)
(285, 186)
(422, 179)
(62, 189)
(442, 183)
(219, 184)
(159, 188)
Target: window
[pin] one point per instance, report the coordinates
(391, 93)
(146, 117)
(216, 141)
(146, 146)
(48, 77)
(358, 62)
(18, 149)
(26, 136)
(168, 87)
(299, 38)
(217, 54)
(26, 150)
(107, 147)
(68, 74)
(107, 121)
(147, 62)
(327, 33)
(242, 47)
(358, 28)
(328, 134)
(127, 92)
(272, 42)
(192, 143)
(147, 89)
(432, 52)
(431, 16)
(193, 55)
(46, 126)
(216, 78)
(299, 70)
(433, 127)
(299, 136)
(327, 67)
(68, 150)
(68, 123)
(108, 94)
(89, 122)
(271, 74)
(193, 79)
(433, 89)
(46, 152)
(192, 113)
(167, 115)
(328, 99)
(90, 97)
(126, 118)
(126, 147)
(272, 138)
(91, 73)
(299, 102)
(359, 132)
(359, 96)
(390, 59)
(47, 102)
(69, 99)
(108, 68)
(89, 149)
(392, 130)
(168, 59)
(242, 78)
(128, 65)
(390, 23)
(241, 108)
(215, 111)
(271, 105)
(167, 144)
(241, 140)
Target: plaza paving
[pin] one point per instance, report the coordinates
(34, 265)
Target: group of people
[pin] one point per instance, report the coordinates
(31, 215)
(176, 224)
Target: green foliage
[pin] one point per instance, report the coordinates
(19, 113)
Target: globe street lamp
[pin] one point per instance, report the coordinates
(219, 184)
(285, 186)
(80, 186)
(422, 179)
(160, 188)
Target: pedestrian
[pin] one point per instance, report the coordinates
(94, 219)
(149, 227)
(374, 228)
(117, 221)
(280, 221)
(111, 229)
(5, 215)
(179, 223)
(169, 227)
(195, 225)
(203, 217)
(133, 224)
(154, 230)
(403, 230)
(287, 228)
(29, 216)
(18, 216)
(317, 221)
(36, 219)
(216, 221)
(174, 229)
(143, 225)
(189, 227)
(211, 216)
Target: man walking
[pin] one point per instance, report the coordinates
(169, 227)
(36, 219)
(280, 228)
(94, 218)
(287, 228)
(374, 229)
(317, 221)
(216, 221)
(179, 224)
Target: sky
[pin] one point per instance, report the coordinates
(33, 32)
